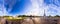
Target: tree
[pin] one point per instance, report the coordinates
(57, 16)
(21, 15)
(49, 16)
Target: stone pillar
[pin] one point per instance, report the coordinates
(9, 22)
(3, 20)
(58, 21)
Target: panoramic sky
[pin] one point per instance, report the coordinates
(29, 7)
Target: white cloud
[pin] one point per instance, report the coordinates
(2, 10)
(38, 7)
(35, 10)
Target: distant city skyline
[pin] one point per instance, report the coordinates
(30, 7)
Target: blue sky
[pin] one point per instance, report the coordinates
(29, 7)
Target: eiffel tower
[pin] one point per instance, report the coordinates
(44, 13)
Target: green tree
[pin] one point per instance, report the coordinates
(57, 16)
(49, 16)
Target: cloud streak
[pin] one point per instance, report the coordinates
(33, 7)
(38, 7)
